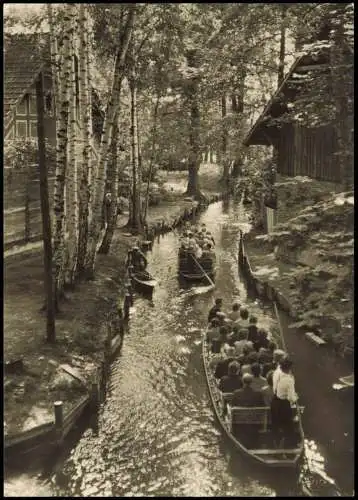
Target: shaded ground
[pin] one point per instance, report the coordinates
(309, 258)
(81, 325)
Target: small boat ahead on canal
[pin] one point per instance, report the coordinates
(236, 422)
(143, 282)
(192, 269)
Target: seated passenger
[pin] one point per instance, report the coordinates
(262, 340)
(231, 382)
(252, 330)
(248, 349)
(272, 346)
(251, 358)
(265, 356)
(185, 240)
(223, 366)
(243, 321)
(234, 337)
(266, 360)
(217, 344)
(258, 381)
(210, 236)
(241, 342)
(267, 390)
(247, 396)
(213, 331)
(234, 315)
(216, 308)
(206, 251)
(278, 355)
(221, 316)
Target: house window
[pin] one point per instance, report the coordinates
(33, 129)
(10, 133)
(21, 128)
(22, 107)
(32, 105)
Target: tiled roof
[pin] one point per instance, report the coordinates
(24, 55)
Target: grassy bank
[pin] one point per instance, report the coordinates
(309, 258)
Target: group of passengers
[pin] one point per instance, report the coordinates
(198, 240)
(248, 364)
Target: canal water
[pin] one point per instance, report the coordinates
(157, 433)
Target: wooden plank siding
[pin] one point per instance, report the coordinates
(308, 152)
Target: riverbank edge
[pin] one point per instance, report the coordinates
(52, 434)
(266, 290)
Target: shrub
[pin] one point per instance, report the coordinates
(21, 153)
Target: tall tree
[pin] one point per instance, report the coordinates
(62, 141)
(135, 222)
(45, 213)
(85, 105)
(113, 105)
(112, 179)
(72, 172)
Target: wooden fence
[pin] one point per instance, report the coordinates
(22, 209)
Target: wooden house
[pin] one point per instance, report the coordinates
(24, 57)
(301, 150)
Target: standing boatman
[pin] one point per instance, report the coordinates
(138, 259)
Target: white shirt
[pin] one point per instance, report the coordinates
(284, 385)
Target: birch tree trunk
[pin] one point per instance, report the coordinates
(94, 231)
(85, 119)
(113, 179)
(61, 157)
(72, 177)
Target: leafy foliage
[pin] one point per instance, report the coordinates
(20, 153)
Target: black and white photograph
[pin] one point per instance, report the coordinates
(178, 231)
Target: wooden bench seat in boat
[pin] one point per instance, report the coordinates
(243, 415)
(260, 416)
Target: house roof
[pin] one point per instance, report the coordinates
(277, 106)
(24, 56)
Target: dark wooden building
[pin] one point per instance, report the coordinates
(301, 150)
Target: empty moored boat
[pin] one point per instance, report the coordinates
(143, 282)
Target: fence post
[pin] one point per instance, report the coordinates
(127, 305)
(58, 409)
(103, 380)
(94, 405)
(120, 321)
(27, 211)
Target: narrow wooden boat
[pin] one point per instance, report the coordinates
(195, 277)
(258, 445)
(191, 269)
(143, 282)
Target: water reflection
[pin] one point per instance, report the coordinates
(157, 432)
